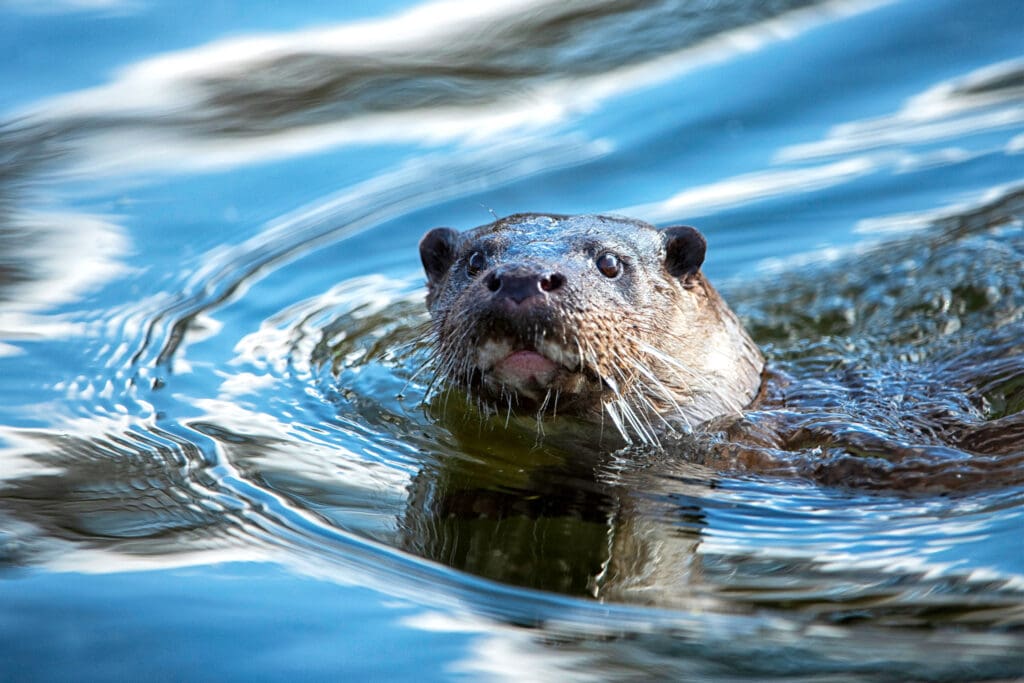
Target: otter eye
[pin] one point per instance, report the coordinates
(609, 264)
(476, 263)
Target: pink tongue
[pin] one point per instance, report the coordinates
(526, 365)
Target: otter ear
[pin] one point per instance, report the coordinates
(684, 251)
(438, 249)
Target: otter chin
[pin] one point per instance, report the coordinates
(596, 316)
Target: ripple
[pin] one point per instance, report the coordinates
(422, 76)
(990, 98)
(863, 522)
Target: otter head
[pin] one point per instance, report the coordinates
(580, 314)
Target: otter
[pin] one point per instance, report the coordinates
(590, 315)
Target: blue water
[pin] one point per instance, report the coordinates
(217, 459)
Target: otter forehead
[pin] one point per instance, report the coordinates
(552, 235)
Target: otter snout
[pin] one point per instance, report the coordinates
(519, 283)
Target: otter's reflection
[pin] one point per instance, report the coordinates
(542, 534)
(555, 517)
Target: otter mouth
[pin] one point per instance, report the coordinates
(525, 367)
(528, 370)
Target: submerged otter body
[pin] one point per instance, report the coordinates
(589, 315)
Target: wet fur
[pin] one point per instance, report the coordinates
(658, 350)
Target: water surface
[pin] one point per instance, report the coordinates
(219, 456)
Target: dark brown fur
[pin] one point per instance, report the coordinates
(653, 345)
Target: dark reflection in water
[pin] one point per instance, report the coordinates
(281, 85)
(137, 492)
(479, 63)
(545, 529)
(562, 515)
(20, 157)
(13, 270)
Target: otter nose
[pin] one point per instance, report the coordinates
(520, 283)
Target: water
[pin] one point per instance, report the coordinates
(216, 456)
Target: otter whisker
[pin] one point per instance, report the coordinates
(650, 409)
(656, 386)
(640, 419)
(611, 408)
(425, 365)
(508, 415)
(623, 414)
(639, 391)
(540, 413)
(704, 383)
(646, 408)
(544, 404)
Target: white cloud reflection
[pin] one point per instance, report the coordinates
(69, 253)
(984, 100)
(750, 187)
(70, 6)
(977, 102)
(152, 107)
(902, 223)
(1015, 145)
(64, 255)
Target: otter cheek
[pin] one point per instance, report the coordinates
(524, 368)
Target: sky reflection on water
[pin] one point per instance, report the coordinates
(215, 456)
